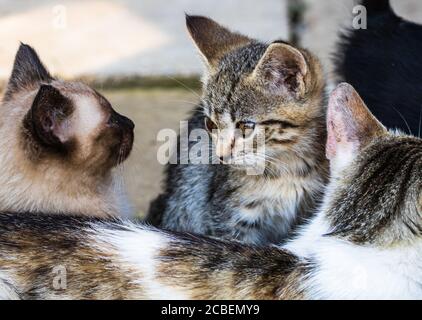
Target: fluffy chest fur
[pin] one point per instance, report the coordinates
(232, 205)
(25, 188)
(274, 206)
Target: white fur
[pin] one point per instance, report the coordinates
(137, 249)
(348, 271)
(308, 234)
(303, 246)
(225, 137)
(344, 270)
(6, 287)
(89, 115)
(345, 155)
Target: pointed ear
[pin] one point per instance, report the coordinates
(28, 70)
(282, 70)
(48, 118)
(213, 40)
(350, 124)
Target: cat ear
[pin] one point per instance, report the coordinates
(282, 70)
(350, 124)
(27, 71)
(48, 116)
(212, 39)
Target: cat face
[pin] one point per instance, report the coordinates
(261, 102)
(64, 123)
(377, 176)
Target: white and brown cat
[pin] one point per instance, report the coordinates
(365, 242)
(59, 144)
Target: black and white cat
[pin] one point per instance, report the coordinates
(383, 63)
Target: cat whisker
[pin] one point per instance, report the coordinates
(185, 86)
(272, 168)
(274, 161)
(185, 101)
(136, 146)
(404, 119)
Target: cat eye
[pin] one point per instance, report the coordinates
(247, 127)
(280, 123)
(210, 125)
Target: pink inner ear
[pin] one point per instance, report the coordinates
(350, 124)
(331, 147)
(55, 128)
(47, 124)
(341, 126)
(339, 130)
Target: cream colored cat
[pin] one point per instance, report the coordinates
(59, 143)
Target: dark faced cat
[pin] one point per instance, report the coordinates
(249, 87)
(60, 142)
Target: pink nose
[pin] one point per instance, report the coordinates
(224, 148)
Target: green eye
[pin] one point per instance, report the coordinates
(210, 125)
(247, 127)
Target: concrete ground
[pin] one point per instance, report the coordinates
(151, 110)
(114, 38)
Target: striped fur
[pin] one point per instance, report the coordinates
(278, 88)
(373, 250)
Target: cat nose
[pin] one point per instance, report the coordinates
(121, 121)
(224, 146)
(127, 122)
(223, 151)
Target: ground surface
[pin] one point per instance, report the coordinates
(114, 38)
(151, 110)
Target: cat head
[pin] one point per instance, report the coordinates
(253, 89)
(63, 123)
(59, 143)
(376, 182)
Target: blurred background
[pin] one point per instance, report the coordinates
(138, 54)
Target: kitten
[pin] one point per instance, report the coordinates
(382, 63)
(60, 142)
(364, 243)
(252, 87)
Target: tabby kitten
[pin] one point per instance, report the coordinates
(60, 142)
(249, 87)
(364, 243)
